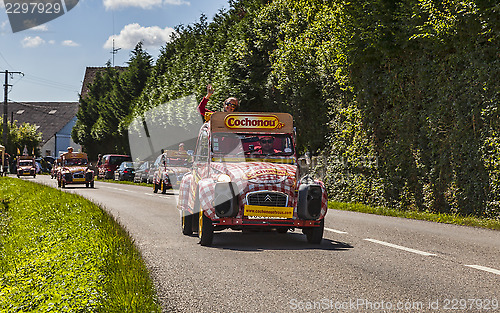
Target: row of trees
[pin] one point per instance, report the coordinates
(104, 114)
(20, 137)
(401, 97)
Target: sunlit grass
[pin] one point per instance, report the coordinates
(62, 253)
(427, 216)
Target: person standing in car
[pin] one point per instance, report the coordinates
(231, 104)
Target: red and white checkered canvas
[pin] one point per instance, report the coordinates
(249, 177)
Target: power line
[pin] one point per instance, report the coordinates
(48, 81)
(75, 89)
(6, 62)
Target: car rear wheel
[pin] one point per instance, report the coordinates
(187, 223)
(205, 230)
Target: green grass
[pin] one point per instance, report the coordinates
(426, 216)
(62, 253)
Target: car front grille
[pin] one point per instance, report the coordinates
(78, 175)
(267, 198)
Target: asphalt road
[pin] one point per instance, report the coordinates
(366, 263)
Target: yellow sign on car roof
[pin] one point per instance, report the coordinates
(252, 122)
(25, 157)
(175, 154)
(74, 155)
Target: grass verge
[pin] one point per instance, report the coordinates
(426, 216)
(60, 252)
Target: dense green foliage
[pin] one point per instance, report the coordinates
(21, 136)
(400, 97)
(61, 253)
(103, 115)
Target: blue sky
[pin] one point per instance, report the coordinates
(53, 56)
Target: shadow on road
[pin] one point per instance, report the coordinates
(262, 241)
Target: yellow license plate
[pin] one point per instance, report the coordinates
(79, 180)
(268, 211)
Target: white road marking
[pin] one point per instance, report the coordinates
(117, 188)
(335, 231)
(484, 268)
(399, 247)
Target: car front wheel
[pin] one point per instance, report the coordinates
(315, 234)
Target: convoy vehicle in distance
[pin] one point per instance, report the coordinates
(141, 173)
(245, 175)
(153, 166)
(55, 168)
(26, 166)
(108, 164)
(74, 169)
(126, 171)
(171, 167)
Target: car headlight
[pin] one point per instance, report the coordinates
(224, 178)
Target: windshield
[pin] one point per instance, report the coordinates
(117, 160)
(256, 147)
(26, 163)
(177, 162)
(128, 165)
(72, 162)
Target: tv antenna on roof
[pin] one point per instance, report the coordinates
(114, 51)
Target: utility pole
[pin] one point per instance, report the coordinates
(5, 101)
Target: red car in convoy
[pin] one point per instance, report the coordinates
(108, 164)
(245, 175)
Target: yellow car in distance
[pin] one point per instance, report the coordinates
(74, 169)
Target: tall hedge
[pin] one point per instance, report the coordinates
(400, 97)
(413, 94)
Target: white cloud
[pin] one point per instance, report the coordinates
(131, 34)
(143, 4)
(52, 42)
(40, 28)
(32, 42)
(70, 43)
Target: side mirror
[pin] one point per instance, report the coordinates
(190, 152)
(304, 164)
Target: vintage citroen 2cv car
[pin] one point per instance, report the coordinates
(245, 176)
(26, 166)
(170, 169)
(74, 169)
